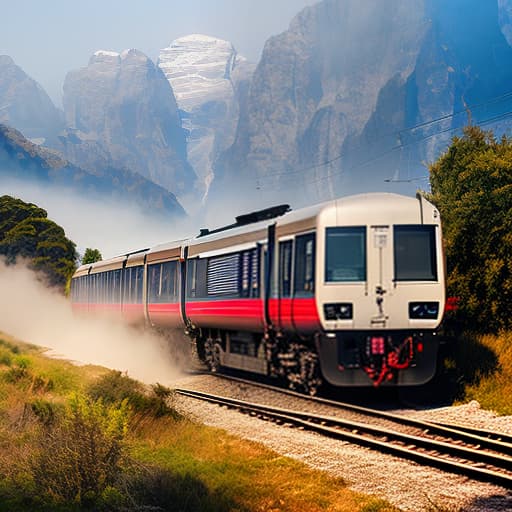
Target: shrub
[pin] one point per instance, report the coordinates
(80, 456)
(19, 369)
(114, 387)
(45, 411)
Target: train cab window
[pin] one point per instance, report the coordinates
(304, 265)
(285, 268)
(345, 254)
(415, 253)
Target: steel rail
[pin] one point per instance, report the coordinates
(353, 433)
(483, 438)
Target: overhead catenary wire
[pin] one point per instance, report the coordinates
(291, 174)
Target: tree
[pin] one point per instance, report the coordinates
(91, 256)
(472, 187)
(26, 232)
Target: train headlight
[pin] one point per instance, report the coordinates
(423, 310)
(338, 311)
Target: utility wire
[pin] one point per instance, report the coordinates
(364, 163)
(399, 134)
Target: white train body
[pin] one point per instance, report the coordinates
(350, 291)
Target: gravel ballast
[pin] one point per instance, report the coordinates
(408, 485)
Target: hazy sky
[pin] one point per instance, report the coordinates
(48, 38)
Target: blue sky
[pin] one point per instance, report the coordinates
(48, 38)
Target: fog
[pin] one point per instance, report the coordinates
(112, 227)
(117, 228)
(31, 312)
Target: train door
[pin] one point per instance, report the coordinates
(304, 313)
(284, 287)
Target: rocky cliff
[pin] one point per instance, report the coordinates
(355, 97)
(121, 112)
(24, 161)
(26, 106)
(206, 75)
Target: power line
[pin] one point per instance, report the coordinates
(389, 151)
(398, 134)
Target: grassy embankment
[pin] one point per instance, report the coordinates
(481, 366)
(84, 438)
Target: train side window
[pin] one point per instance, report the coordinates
(250, 273)
(255, 272)
(154, 282)
(415, 253)
(125, 284)
(304, 277)
(130, 284)
(223, 274)
(139, 274)
(116, 299)
(168, 289)
(345, 254)
(285, 268)
(191, 277)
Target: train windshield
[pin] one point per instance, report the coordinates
(345, 254)
(415, 253)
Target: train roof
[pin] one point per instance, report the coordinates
(165, 251)
(247, 231)
(237, 238)
(111, 264)
(83, 270)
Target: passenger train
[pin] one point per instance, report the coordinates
(350, 291)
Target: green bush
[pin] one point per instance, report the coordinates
(45, 411)
(10, 346)
(114, 387)
(80, 456)
(5, 357)
(472, 187)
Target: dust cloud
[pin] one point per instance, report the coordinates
(33, 313)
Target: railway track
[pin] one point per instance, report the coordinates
(484, 456)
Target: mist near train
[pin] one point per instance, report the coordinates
(34, 313)
(117, 228)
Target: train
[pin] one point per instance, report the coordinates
(350, 292)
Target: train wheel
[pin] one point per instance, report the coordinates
(306, 377)
(212, 355)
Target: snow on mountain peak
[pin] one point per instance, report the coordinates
(199, 69)
(105, 53)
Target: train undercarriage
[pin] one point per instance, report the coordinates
(292, 361)
(303, 364)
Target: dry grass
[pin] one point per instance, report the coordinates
(175, 463)
(232, 465)
(492, 387)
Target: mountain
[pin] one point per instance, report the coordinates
(121, 112)
(206, 75)
(25, 105)
(22, 160)
(357, 96)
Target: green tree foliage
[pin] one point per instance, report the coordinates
(26, 232)
(472, 187)
(91, 256)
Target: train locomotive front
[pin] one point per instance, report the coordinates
(350, 291)
(380, 290)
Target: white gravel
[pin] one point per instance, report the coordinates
(408, 485)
